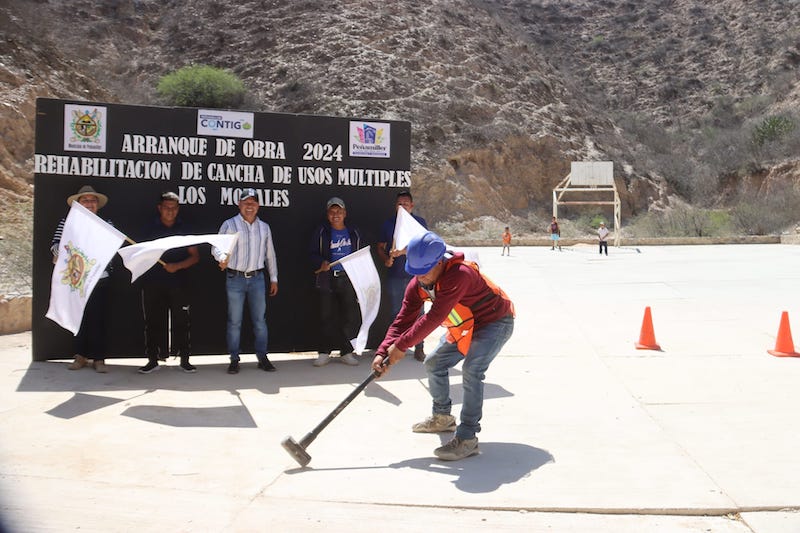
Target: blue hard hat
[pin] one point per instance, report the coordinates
(423, 252)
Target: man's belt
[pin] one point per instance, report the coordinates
(249, 274)
(338, 273)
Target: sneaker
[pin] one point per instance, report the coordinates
(349, 359)
(419, 354)
(322, 359)
(79, 362)
(100, 366)
(151, 366)
(266, 365)
(187, 367)
(233, 368)
(457, 449)
(436, 423)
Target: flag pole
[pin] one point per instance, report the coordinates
(317, 271)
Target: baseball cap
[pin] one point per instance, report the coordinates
(247, 193)
(169, 195)
(335, 201)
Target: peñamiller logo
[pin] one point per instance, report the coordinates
(84, 128)
(224, 123)
(370, 139)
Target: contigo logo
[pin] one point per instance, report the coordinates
(224, 123)
(217, 122)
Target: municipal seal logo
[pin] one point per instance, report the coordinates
(77, 268)
(86, 125)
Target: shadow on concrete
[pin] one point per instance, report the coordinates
(81, 404)
(231, 416)
(50, 376)
(53, 376)
(499, 463)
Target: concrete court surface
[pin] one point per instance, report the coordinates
(581, 431)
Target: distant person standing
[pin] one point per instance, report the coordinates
(395, 261)
(245, 267)
(506, 242)
(165, 293)
(602, 235)
(555, 234)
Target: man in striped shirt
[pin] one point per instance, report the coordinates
(245, 267)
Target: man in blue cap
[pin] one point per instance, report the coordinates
(479, 318)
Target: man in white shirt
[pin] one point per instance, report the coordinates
(251, 256)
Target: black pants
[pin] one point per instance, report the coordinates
(91, 338)
(340, 315)
(158, 303)
(604, 246)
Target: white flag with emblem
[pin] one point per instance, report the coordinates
(364, 277)
(87, 245)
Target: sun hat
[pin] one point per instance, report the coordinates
(102, 199)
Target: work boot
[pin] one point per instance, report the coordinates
(79, 362)
(233, 368)
(436, 423)
(100, 366)
(457, 449)
(322, 359)
(151, 366)
(187, 367)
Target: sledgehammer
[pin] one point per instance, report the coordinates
(298, 450)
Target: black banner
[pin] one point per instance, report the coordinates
(134, 153)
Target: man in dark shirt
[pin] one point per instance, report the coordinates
(395, 261)
(164, 291)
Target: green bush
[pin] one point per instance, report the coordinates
(682, 221)
(771, 129)
(202, 86)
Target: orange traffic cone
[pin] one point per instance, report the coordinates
(784, 346)
(647, 338)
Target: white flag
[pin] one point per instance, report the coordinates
(139, 257)
(406, 228)
(87, 245)
(364, 277)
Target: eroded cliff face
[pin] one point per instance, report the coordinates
(502, 95)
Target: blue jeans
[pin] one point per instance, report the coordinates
(254, 289)
(486, 344)
(397, 288)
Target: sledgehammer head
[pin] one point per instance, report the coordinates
(296, 451)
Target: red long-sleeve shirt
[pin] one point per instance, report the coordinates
(458, 284)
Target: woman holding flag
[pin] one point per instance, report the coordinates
(89, 342)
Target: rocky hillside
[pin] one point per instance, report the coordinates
(502, 94)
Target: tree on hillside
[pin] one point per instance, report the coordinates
(201, 86)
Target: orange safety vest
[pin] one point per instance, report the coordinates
(460, 320)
